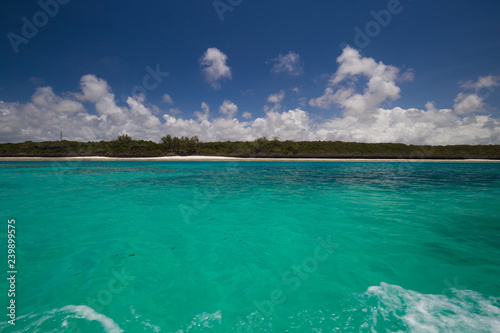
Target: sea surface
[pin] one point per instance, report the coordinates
(252, 246)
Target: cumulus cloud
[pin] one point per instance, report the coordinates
(215, 68)
(228, 108)
(290, 63)
(363, 118)
(381, 84)
(329, 98)
(167, 99)
(413, 126)
(141, 98)
(293, 124)
(45, 99)
(93, 88)
(203, 115)
(468, 103)
(275, 99)
(43, 121)
(48, 114)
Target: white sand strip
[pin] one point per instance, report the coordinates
(235, 159)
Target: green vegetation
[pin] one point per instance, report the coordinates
(125, 146)
(180, 146)
(124, 138)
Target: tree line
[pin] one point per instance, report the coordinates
(125, 146)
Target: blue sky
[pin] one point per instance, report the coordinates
(269, 63)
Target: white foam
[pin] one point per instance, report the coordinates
(463, 311)
(146, 322)
(204, 319)
(86, 312)
(36, 321)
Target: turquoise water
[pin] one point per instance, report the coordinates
(253, 246)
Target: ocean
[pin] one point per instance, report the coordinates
(154, 246)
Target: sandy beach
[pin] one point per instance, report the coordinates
(238, 159)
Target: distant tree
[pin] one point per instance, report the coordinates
(167, 142)
(166, 139)
(182, 146)
(124, 138)
(176, 144)
(259, 144)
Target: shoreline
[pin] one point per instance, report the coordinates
(236, 159)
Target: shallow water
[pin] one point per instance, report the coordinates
(254, 246)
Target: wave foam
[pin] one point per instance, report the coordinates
(463, 311)
(203, 320)
(389, 308)
(58, 318)
(86, 312)
(145, 322)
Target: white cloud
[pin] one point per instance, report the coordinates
(167, 99)
(290, 125)
(409, 75)
(140, 97)
(48, 114)
(45, 98)
(325, 101)
(203, 116)
(174, 111)
(296, 90)
(276, 98)
(93, 88)
(468, 103)
(228, 108)
(381, 84)
(351, 64)
(329, 98)
(216, 68)
(363, 119)
(413, 126)
(21, 122)
(482, 82)
(289, 63)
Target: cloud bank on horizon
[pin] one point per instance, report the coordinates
(360, 87)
